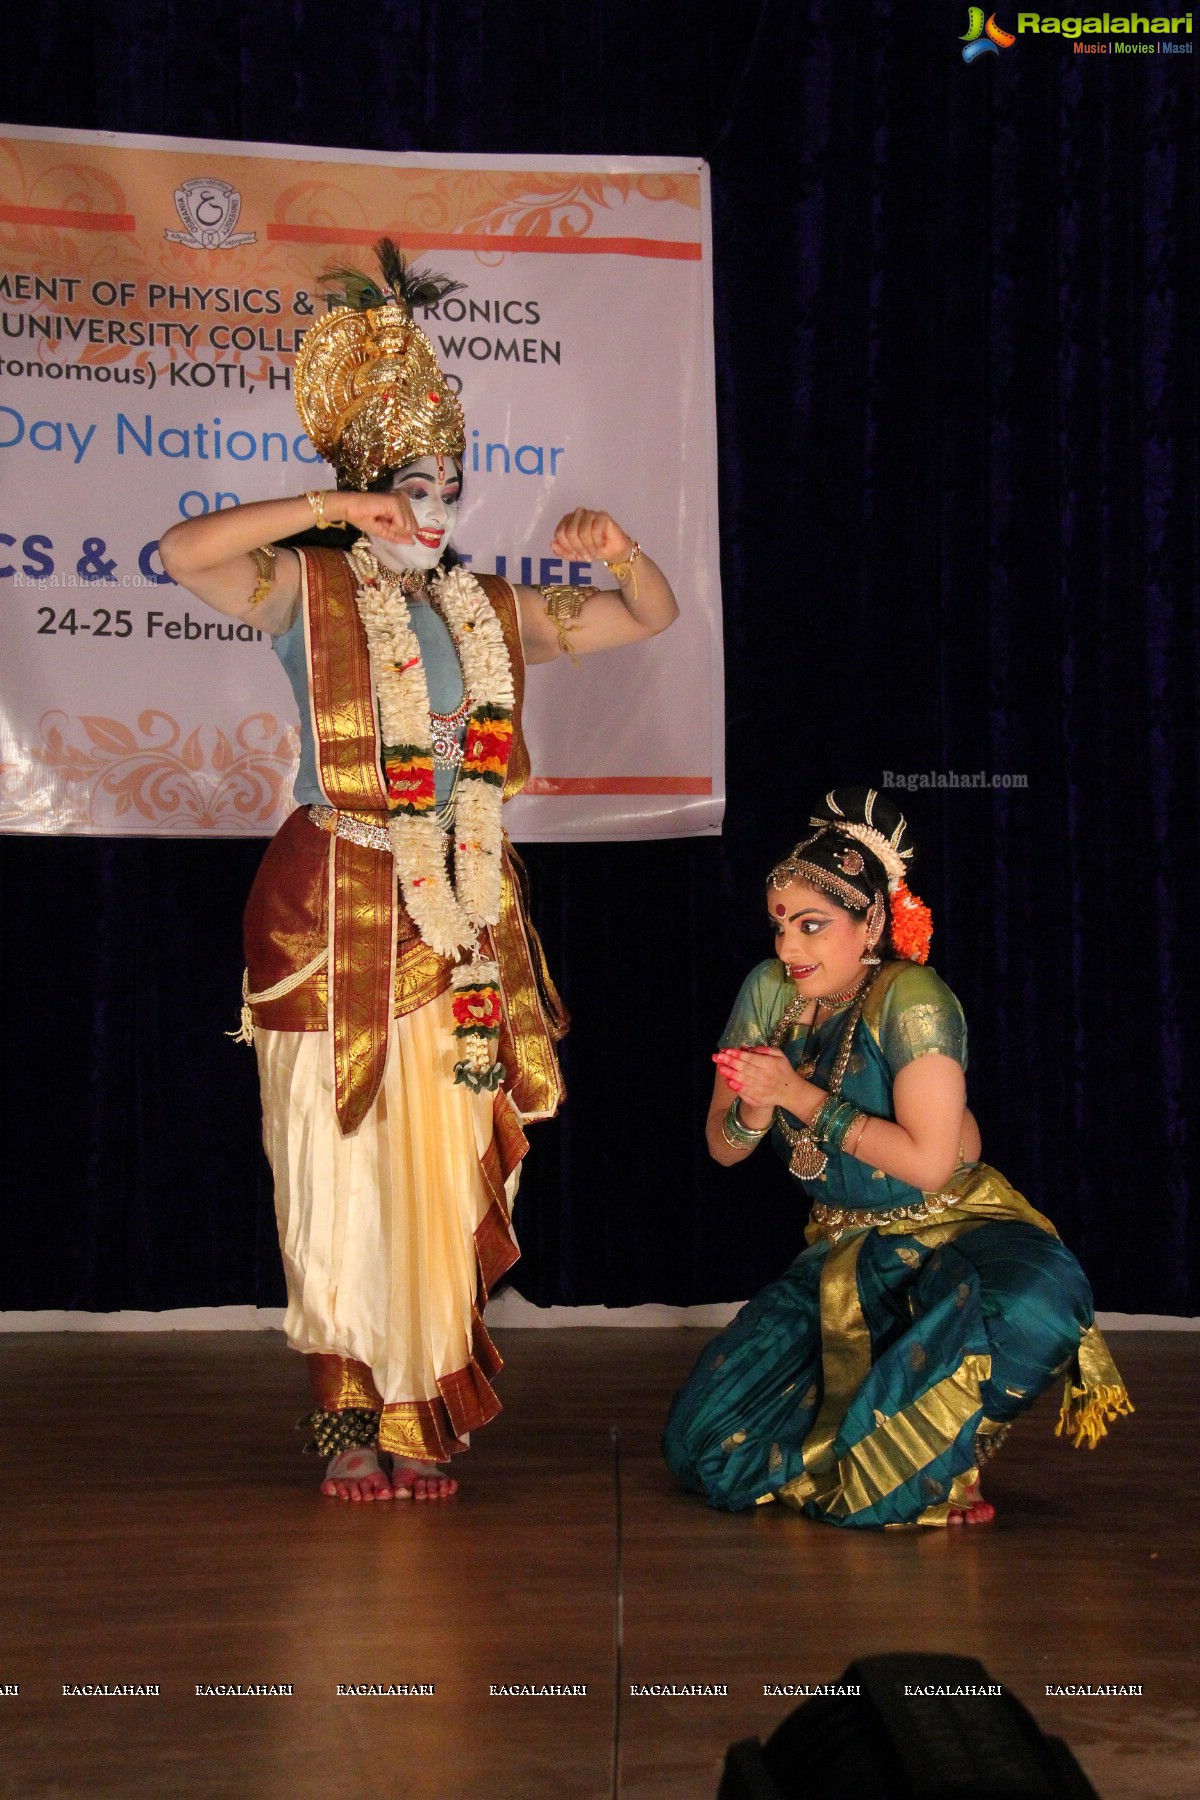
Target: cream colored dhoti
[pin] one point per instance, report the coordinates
(381, 1230)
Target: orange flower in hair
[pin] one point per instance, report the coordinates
(912, 924)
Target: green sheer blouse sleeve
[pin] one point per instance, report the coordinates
(759, 1006)
(921, 1017)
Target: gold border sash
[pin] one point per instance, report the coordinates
(503, 602)
(362, 882)
(534, 1016)
(341, 698)
(362, 897)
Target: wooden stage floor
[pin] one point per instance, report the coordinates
(160, 1527)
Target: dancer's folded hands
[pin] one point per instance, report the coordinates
(761, 1076)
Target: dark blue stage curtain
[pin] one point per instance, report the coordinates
(957, 385)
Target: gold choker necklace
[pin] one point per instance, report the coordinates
(832, 1001)
(409, 582)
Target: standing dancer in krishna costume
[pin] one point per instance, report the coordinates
(396, 993)
(933, 1304)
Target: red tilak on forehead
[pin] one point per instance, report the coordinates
(781, 910)
(441, 469)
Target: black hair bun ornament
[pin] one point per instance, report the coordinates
(876, 822)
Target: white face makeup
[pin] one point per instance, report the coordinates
(433, 496)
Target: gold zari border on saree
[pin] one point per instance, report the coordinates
(1094, 1394)
(977, 1194)
(845, 1355)
(900, 1447)
(341, 1384)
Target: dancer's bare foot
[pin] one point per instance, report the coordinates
(421, 1481)
(356, 1475)
(976, 1511)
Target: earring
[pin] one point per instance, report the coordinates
(875, 920)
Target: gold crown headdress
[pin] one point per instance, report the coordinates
(369, 390)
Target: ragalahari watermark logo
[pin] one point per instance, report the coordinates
(209, 208)
(1096, 34)
(983, 37)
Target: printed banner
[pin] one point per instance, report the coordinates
(153, 293)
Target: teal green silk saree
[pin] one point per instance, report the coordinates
(868, 1383)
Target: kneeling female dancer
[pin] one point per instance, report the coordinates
(933, 1304)
(395, 990)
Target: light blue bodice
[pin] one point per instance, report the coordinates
(442, 673)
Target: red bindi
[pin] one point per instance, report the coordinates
(781, 910)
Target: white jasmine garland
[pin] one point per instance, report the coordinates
(477, 851)
(478, 637)
(449, 914)
(419, 847)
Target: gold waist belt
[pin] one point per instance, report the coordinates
(834, 1221)
(358, 828)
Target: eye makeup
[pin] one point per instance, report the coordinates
(816, 920)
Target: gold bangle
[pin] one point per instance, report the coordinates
(622, 569)
(264, 563)
(864, 1119)
(316, 499)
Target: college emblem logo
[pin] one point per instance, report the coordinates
(209, 209)
(983, 38)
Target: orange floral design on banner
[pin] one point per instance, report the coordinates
(533, 204)
(565, 206)
(123, 777)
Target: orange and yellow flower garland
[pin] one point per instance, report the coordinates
(478, 1011)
